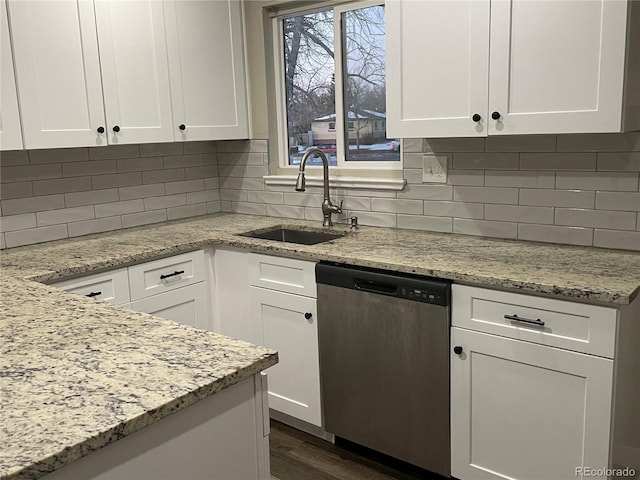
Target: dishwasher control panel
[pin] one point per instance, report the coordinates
(382, 282)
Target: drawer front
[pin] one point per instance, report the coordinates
(166, 274)
(282, 274)
(558, 323)
(111, 287)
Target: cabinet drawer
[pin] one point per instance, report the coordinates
(166, 274)
(112, 287)
(574, 326)
(282, 274)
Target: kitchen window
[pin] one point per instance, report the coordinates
(330, 82)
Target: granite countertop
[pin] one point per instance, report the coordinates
(576, 273)
(79, 374)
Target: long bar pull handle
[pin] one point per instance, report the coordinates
(516, 318)
(373, 286)
(177, 272)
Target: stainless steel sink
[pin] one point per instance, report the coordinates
(293, 235)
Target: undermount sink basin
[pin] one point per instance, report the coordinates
(292, 235)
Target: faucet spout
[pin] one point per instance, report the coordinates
(327, 207)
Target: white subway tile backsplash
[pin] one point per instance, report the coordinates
(203, 196)
(485, 228)
(619, 161)
(95, 226)
(454, 209)
(411, 145)
(523, 179)
(30, 172)
(35, 235)
(201, 172)
(412, 160)
(10, 223)
(557, 161)
(474, 178)
(143, 218)
(61, 185)
(119, 208)
(616, 239)
(243, 183)
(285, 211)
(425, 222)
(200, 147)
(555, 234)
(485, 195)
(162, 176)
(14, 158)
(461, 144)
(427, 192)
(112, 152)
(413, 175)
(517, 213)
(303, 199)
(57, 155)
(596, 218)
(182, 161)
(557, 198)
(139, 164)
(79, 169)
(141, 191)
(265, 197)
(624, 201)
(397, 205)
(374, 219)
(599, 142)
(92, 197)
(186, 211)
(160, 149)
(485, 161)
(65, 215)
(248, 208)
(354, 203)
(184, 186)
(116, 180)
(157, 203)
(16, 190)
(214, 207)
(212, 182)
(521, 143)
(32, 204)
(627, 181)
(233, 195)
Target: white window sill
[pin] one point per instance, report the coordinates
(339, 182)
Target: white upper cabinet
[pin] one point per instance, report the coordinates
(500, 67)
(57, 72)
(10, 132)
(135, 74)
(206, 62)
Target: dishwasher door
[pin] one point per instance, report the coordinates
(384, 366)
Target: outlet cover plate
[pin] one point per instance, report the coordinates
(434, 168)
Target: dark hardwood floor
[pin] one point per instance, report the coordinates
(296, 455)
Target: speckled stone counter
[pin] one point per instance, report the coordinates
(578, 273)
(79, 374)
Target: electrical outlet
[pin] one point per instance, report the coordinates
(434, 169)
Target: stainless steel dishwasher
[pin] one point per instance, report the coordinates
(384, 362)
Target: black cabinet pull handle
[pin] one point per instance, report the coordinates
(100, 129)
(182, 126)
(308, 315)
(116, 128)
(476, 117)
(93, 294)
(177, 272)
(495, 115)
(457, 350)
(516, 318)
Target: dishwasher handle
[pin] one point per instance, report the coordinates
(374, 286)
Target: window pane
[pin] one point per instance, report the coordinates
(309, 85)
(365, 86)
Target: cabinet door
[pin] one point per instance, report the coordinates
(186, 305)
(522, 411)
(10, 131)
(206, 60)
(557, 67)
(135, 75)
(294, 383)
(437, 67)
(57, 73)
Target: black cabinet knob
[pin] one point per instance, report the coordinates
(182, 126)
(476, 117)
(116, 128)
(308, 315)
(495, 115)
(100, 129)
(457, 350)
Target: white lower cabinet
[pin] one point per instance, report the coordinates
(526, 411)
(187, 305)
(289, 325)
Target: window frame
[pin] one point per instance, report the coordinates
(376, 169)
